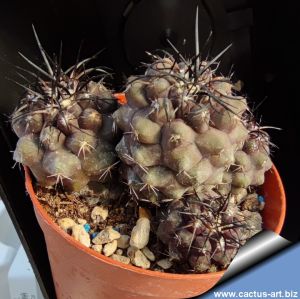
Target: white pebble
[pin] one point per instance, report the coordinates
(106, 236)
(66, 223)
(165, 264)
(120, 258)
(119, 251)
(149, 254)
(83, 209)
(97, 248)
(140, 260)
(80, 234)
(123, 241)
(81, 221)
(110, 248)
(140, 233)
(99, 214)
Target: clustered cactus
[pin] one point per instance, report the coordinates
(207, 233)
(185, 131)
(191, 146)
(64, 125)
(191, 152)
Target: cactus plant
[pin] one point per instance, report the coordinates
(64, 124)
(192, 157)
(187, 131)
(192, 147)
(205, 234)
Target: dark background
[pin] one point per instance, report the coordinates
(264, 54)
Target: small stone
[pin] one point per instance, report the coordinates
(80, 234)
(140, 233)
(119, 251)
(66, 223)
(83, 209)
(87, 227)
(123, 228)
(239, 194)
(97, 248)
(110, 248)
(158, 270)
(123, 241)
(165, 264)
(106, 236)
(93, 235)
(261, 199)
(251, 203)
(261, 206)
(140, 260)
(131, 252)
(99, 214)
(149, 254)
(81, 221)
(120, 258)
(92, 201)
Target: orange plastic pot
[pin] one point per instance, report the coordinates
(80, 272)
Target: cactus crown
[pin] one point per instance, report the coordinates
(54, 90)
(185, 126)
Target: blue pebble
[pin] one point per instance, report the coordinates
(93, 235)
(87, 227)
(261, 199)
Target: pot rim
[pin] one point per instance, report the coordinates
(280, 223)
(47, 219)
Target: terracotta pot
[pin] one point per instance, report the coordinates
(80, 272)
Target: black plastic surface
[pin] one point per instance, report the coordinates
(263, 53)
